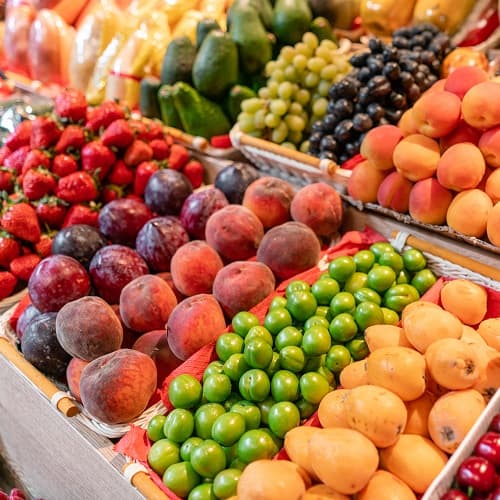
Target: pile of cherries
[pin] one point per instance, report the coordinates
(478, 476)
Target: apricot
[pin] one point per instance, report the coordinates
(492, 185)
(464, 78)
(429, 201)
(468, 212)
(364, 182)
(269, 198)
(493, 225)
(489, 144)
(241, 285)
(416, 157)
(481, 105)
(468, 301)
(88, 328)
(437, 113)
(318, 206)
(194, 322)
(73, 375)
(235, 232)
(394, 192)
(378, 145)
(461, 167)
(289, 249)
(462, 133)
(406, 123)
(116, 388)
(194, 267)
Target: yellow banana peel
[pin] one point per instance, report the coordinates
(187, 25)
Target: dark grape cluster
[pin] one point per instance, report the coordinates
(386, 80)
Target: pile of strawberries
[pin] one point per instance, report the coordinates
(59, 170)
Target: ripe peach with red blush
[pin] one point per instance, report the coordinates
(429, 201)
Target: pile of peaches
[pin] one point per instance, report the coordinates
(441, 164)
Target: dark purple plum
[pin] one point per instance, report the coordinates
(120, 220)
(198, 207)
(166, 191)
(57, 280)
(79, 241)
(41, 347)
(234, 179)
(112, 268)
(24, 320)
(159, 239)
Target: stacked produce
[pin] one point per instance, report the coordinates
(440, 164)
(59, 170)
(392, 426)
(386, 81)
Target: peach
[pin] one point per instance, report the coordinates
(194, 267)
(463, 133)
(489, 144)
(235, 232)
(88, 328)
(129, 336)
(269, 199)
(364, 182)
(194, 322)
(73, 375)
(461, 167)
(116, 388)
(378, 145)
(318, 206)
(481, 105)
(468, 212)
(146, 303)
(464, 78)
(437, 113)
(289, 249)
(429, 201)
(416, 157)
(492, 185)
(463, 56)
(406, 123)
(437, 86)
(155, 345)
(394, 192)
(167, 277)
(241, 285)
(493, 225)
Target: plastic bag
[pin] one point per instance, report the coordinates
(16, 37)
(140, 56)
(50, 44)
(92, 37)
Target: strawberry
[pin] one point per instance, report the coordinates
(22, 267)
(44, 247)
(72, 140)
(160, 149)
(7, 178)
(44, 133)
(119, 134)
(8, 284)
(144, 171)
(20, 220)
(111, 192)
(34, 159)
(20, 137)
(51, 211)
(9, 249)
(64, 165)
(178, 157)
(194, 172)
(139, 128)
(82, 214)
(97, 159)
(15, 160)
(71, 105)
(137, 152)
(154, 130)
(4, 152)
(77, 188)
(121, 174)
(103, 115)
(38, 183)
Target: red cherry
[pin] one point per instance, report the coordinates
(454, 495)
(488, 447)
(477, 473)
(495, 423)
